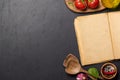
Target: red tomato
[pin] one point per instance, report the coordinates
(93, 4)
(80, 4)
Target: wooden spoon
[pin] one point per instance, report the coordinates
(75, 68)
(72, 66)
(68, 58)
(71, 6)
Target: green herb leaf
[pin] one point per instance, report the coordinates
(94, 72)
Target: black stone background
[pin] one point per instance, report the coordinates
(35, 37)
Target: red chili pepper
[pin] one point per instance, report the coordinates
(109, 73)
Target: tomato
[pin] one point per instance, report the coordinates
(93, 4)
(80, 4)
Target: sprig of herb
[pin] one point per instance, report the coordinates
(94, 72)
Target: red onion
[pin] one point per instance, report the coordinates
(82, 76)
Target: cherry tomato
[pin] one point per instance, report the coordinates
(93, 4)
(80, 4)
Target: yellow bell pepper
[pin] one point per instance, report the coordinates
(110, 3)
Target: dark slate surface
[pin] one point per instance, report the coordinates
(35, 37)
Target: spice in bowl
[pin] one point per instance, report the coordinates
(108, 70)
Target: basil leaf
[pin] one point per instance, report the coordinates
(93, 72)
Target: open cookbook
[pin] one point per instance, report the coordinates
(98, 37)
